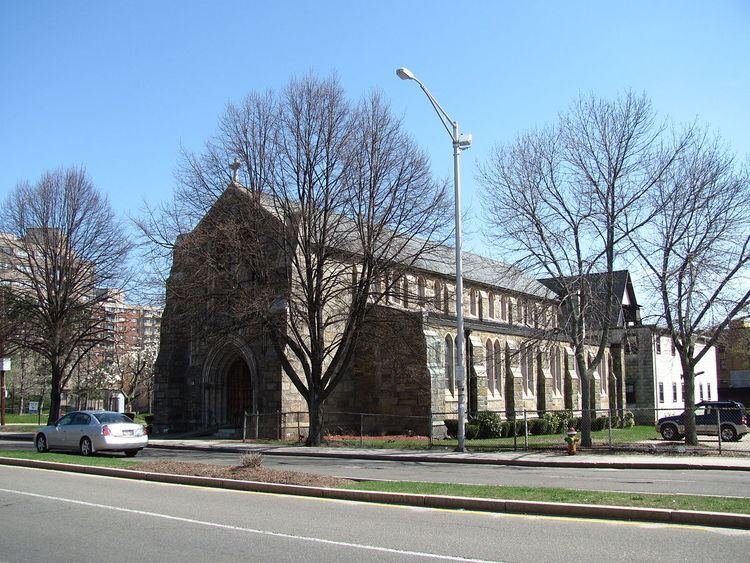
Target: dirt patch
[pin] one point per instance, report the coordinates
(261, 474)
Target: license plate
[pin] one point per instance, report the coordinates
(127, 432)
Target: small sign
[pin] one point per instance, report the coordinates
(4, 364)
(33, 407)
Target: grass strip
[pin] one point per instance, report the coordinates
(100, 460)
(543, 494)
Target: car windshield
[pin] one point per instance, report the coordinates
(112, 417)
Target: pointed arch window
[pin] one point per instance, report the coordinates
(499, 366)
(405, 292)
(473, 302)
(491, 305)
(489, 360)
(450, 373)
(420, 290)
(438, 296)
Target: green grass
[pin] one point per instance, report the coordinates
(677, 502)
(98, 460)
(25, 418)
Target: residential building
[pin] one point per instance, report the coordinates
(734, 362)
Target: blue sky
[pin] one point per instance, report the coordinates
(119, 86)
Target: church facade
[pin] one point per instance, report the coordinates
(404, 366)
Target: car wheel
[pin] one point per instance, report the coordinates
(728, 433)
(131, 453)
(669, 432)
(41, 443)
(86, 447)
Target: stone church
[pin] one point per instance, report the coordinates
(404, 367)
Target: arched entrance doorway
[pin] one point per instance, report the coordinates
(239, 394)
(229, 384)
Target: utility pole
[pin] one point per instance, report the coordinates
(4, 366)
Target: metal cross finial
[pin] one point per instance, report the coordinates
(235, 166)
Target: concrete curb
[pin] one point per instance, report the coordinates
(665, 516)
(417, 458)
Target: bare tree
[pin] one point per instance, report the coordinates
(562, 201)
(66, 243)
(339, 200)
(697, 251)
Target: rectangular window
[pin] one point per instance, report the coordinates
(658, 344)
(674, 392)
(708, 391)
(629, 393)
(700, 388)
(661, 392)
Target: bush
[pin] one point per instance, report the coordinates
(628, 421)
(472, 431)
(489, 423)
(451, 427)
(252, 460)
(600, 423)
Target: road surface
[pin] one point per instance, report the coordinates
(722, 483)
(55, 516)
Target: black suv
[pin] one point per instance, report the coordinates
(707, 413)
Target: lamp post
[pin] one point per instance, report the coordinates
(460, 142)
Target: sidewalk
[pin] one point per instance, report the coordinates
(527, 458)
(516, 458)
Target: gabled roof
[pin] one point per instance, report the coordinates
(439, 259)
(624, 305)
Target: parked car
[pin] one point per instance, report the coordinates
(92, 431)
(707, 413)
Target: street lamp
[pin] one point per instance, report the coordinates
(460, 142)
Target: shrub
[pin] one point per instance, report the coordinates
(600, 423)
(451, 427)
(489, 423)
(472, 431)
(252, 460)
(628, 421)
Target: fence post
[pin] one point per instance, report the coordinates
(429, 430)
(361, 429)
(257, 425)
(515, 437)
(525, 431)
(609, 425)
(244, 426)
(718, 427)
(278, 424)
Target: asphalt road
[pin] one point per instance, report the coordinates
(53, 516)
(724, 483)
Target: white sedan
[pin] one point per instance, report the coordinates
(92, 431)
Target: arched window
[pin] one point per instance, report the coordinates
(420, 290)
(489, 362)
(527, 370)
(498, 367)
(450, 364)
(446, 300)
(555, 365)
(605, 374)
(491, 305)
(354, 281)
(438, 296)
(405, 291)
(510, 311)
(473, 302)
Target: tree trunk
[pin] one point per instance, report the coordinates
(315, 410)
(585, 384)
(688, 376)
(55, 391)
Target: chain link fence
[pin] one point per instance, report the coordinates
(720, 429)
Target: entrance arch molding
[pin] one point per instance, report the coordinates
(214, 377)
